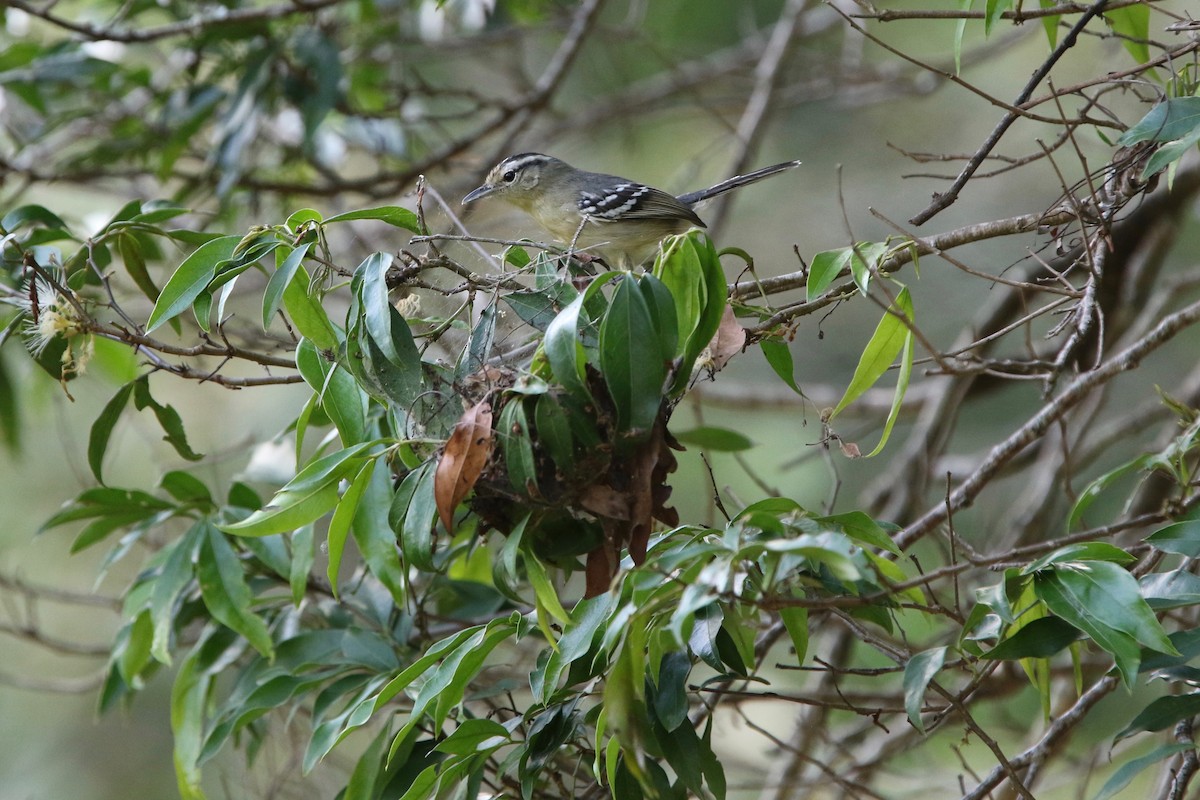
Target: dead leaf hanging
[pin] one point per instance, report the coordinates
(466, 454)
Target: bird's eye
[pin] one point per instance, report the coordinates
(510, 176)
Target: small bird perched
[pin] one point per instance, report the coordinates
(620, 220)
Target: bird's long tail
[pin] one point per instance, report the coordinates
(736, 182)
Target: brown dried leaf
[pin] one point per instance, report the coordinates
(466, 454)
(605, 501)
(728, 341)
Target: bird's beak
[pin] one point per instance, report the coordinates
(482, 191)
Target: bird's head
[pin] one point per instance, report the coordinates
(516, 179)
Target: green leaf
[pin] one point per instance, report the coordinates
(1130, 769)
(307, 314)
(670, 697)
(1162, 714)
(544, 590)
(341, 397)
(1108, 594)
(363, 781)
(902, 379)
(376, 539)
(824, 269)
(305, 498)
(918, 672)
(1080, 551)
(1172, 119)
(554, 432)
(1096, 488)
(343, 515)
(1103, 601)
(861, 528)
(713, 438)
(416, 537)
(795, 620)
(960, 28)
(30, 215)
(1040, 638)
(102, 428)
(396, 216)
(176, 575)
(189, 694)
(1182, 538)
(779, 356)
(186, 488)
(561, 342)
(993, 11)
(1133, 24)
(168, 419)
(303, 556)
(890, 338)
(473, 736)
(634, 376)
(1050, 23)
(190, 279)
(385, 325)
(135, 264)
(284, 274)
(1175, 589)
(515, 441)
(226, 593)
(1169, 153)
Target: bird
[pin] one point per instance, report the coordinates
(616, 219)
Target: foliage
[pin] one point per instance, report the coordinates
(471, 439)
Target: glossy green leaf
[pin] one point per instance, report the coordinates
(671, 696)
(1132, 768)
(779, 356)
(886, 343)
(396, 216)
(343, 515)
(713, 438)
(1132, 24)
(824, 269)
(185, 487)
(1175, 589)
(795, 620)
(992, 13)
(176, 575)
(920, 670)
(226, 593)
(135, 264)
(168, 419)
(515, 442)
(416, 536)
(562, 346)
(190, 279)
(1070, 601)
(1040, 638)
(861, 528)
(1080, 551)
(188, 697)
(634, 376)
(102, 428)
(284, 274)
(1050, 23)
(307, 314)
(472, 736)
(544, 590)
(305, 498)
(30, 215)
(303, 556)
(1162, 714)
(1182, 538)
(1172, 119)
